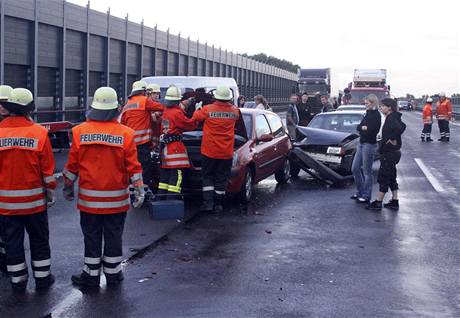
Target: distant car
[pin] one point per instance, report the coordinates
(404, 105)
(351, 107)
(262, 148)
(326, 147)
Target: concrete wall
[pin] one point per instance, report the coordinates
(64, 52)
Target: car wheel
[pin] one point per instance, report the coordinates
(294, 170)
(284, 173)
(248, 186)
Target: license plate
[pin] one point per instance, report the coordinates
(325, 158)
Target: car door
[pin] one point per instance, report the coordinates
(280, 141)
(263, 149)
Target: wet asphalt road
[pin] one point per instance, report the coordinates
(298, 250)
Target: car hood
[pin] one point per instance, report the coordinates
(316, 136)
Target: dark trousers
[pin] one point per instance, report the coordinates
(2, 250)
(387, 172)
(98, 228)
(170, 181)
(145, 159)
(426, 132)
(444, 129)
(13, 229)
(215, 174)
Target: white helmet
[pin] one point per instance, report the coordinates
(429, 100)
(442, 94)
(223, 93)
(105, 98)
(5, 91)
(139, 86)
(173, 93)
(20, 101)
(154, 88)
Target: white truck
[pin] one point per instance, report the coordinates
(369, 81)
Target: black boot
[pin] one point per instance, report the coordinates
(208, 201)
(422, 138)
(114, 280)
(84, 280)
(219, 206)
(441, 139)
(429, 139)
(446, 139)
(392, 204)
(375, 206)
(19, 287)
(44, 283)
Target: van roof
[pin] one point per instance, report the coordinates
(193, 82)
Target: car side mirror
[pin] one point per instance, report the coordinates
(265, 138)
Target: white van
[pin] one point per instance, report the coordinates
(191, 83)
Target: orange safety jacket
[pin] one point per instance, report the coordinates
(427, 114)
(444, 110)
(219, 129)
(26, 166)
(104, 156)
(137, 115)
(174, 122)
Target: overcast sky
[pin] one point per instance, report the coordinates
(418, 42)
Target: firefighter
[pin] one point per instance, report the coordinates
(444, 115)
(427, 115)
(217, 147)
(27, 188)
(137, 115)
(154, 94)
(5, 92)
(104, 158)
(174, 157)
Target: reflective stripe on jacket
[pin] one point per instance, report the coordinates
(427, 114)
(137, 115)
(104, 157)
(26, 166)
(444, 110)
(174, 122)
(219, 129)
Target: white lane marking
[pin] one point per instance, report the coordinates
(431, 178)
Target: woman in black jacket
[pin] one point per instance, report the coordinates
(390, 155)
(364, 156)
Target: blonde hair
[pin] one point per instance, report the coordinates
(373, 100)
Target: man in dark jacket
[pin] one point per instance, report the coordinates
(390, 155)
(305, 110)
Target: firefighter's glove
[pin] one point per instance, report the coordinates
(50, 197)
(67, 191)
(139, 195)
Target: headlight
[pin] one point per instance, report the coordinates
(235, 159)
(335, 151)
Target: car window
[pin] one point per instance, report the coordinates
(247, 118)
(337, 121)
(262, 127)
(276, 125)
